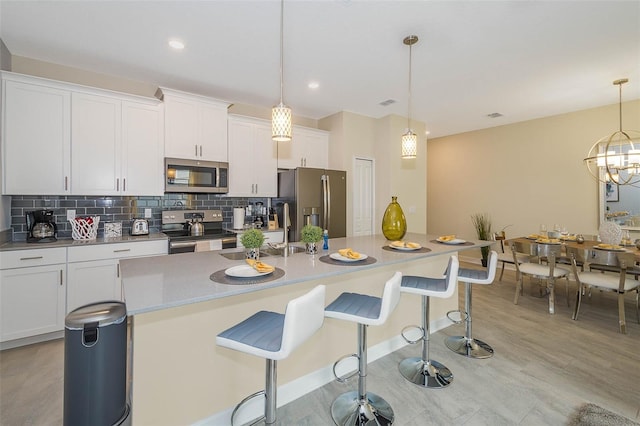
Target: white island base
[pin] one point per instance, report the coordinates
(181, 377)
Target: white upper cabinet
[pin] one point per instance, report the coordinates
(308, 148)
(81, 140)
(253, 165)
(195, 126)
(36, 137)
(96, 143)
(117, 146)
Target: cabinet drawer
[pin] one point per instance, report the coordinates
(36, 257)
(118, 250)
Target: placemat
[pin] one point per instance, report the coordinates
(420, 250)
(466, 243)
(368, 261)
(222, 278)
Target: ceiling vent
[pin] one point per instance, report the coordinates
(494, 115)
(387, 102)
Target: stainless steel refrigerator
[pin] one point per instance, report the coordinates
(315, 196)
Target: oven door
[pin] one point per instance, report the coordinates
(191, 246)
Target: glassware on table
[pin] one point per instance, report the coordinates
(543, 229)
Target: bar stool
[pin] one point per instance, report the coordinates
(466, 345)
(425, 371)
(361, 408)
(274, 336)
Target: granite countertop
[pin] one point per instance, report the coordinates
(155, 283)
(68, 242)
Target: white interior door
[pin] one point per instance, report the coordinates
(363, 199)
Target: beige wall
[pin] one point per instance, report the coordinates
(356, 136)
(522, 174)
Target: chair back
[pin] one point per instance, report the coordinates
(550, 252)
(390, 297)
(452, 276)
(303, 317)
(492, 265)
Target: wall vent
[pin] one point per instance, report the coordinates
(387, 102)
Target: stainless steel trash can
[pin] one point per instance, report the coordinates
(95, 365)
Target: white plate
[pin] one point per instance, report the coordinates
(341, 258)
(244, 271)
(405, 248)
(454, 241)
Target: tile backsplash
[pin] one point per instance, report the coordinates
(116, 209)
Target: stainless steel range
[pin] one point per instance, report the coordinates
(186, 235)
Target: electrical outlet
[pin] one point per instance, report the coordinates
(71, 214)
(147, 213)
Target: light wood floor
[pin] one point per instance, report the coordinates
(544, 367)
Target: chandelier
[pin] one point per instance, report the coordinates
(281, 114)
(616, 158)
(409, 139)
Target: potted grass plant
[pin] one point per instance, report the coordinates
(252, 240)
(311, 235)
(482, 224)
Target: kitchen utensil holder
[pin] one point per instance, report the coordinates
(81, 229)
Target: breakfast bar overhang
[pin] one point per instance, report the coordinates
(179, 375)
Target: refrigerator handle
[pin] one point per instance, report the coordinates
(327, 203)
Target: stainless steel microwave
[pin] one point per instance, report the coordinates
(196, 176)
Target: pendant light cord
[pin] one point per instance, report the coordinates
(281, 50)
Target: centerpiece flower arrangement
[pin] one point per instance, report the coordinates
(311, 235)
(252, 240)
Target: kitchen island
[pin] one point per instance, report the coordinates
(179, 374)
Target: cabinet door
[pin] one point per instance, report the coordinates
(265, 162)
(181, 124)
(31, 301)
(94, 281)
(316, 149)
(308, 148)
(36, 139)
(241, 159)
(95, 144)
(213, 132)
(142, 149)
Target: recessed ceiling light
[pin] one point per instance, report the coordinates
(427, 133)
(176, 44)
(313, 85)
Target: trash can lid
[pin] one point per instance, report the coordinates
(104, 313)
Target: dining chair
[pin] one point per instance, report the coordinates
(548, 272)
(507, 257)
(621, 281)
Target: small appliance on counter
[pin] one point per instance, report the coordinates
(139, 227)
(41, 226)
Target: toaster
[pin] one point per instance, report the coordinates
(139, 227)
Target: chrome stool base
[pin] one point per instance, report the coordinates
(431, 375)
(472, 348)
(349, 410)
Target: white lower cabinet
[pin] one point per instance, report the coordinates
(94, 271)
(32, 292)
(90, 282)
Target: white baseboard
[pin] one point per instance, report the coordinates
(295, 389)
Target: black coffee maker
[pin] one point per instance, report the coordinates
(41, 226)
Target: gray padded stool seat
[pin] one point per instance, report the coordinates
(274, 336)
(361, 408)
(466, 345)
(425, 371)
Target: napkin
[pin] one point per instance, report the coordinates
(447, 238)
(347, 252)
(404, 244)
(608, 246)
(548, 240)
(260, 266)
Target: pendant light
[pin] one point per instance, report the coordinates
(409, 139)
(281, 114)
(615, 159)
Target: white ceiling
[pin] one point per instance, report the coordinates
(524, 59)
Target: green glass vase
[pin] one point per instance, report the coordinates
(394, 224)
